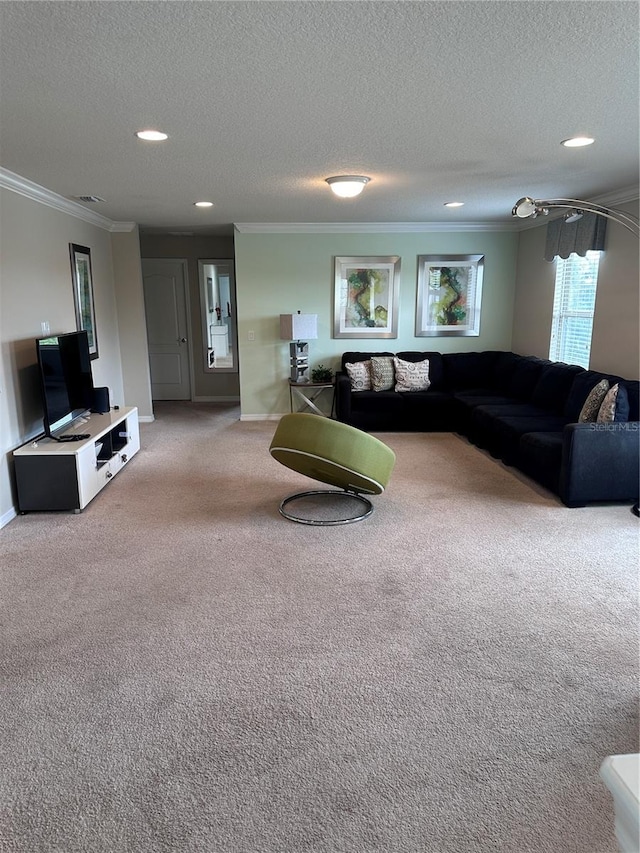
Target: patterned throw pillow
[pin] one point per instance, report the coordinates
(411, 375)
(360, 375)
(382, 373)
(615, 406)
(591, 407)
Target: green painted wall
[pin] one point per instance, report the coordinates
(280, 273)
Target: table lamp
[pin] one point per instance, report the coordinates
(298, 328)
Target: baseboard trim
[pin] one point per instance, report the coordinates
(146, 419)
(261, 417)
(232, 399)
(8, 516)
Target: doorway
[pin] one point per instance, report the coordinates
(217, 305)
(167, 315)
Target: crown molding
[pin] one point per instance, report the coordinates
(368, 227)
(622, 196)
(122, 227)
(35, 192)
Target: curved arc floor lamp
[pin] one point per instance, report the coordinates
(526, 208)
(529, 208)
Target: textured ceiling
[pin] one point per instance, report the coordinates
(435, 101)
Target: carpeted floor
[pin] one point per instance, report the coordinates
(184, 670)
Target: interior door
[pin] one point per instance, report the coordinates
(166, 312)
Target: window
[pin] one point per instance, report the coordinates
(573, 306)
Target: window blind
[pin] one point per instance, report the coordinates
(573, 308)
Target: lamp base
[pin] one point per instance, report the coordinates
(299, 376)
(299, 359)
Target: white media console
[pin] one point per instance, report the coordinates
(52, 475)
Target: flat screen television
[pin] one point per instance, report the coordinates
(67, 383)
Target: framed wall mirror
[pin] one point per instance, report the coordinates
(219, 326)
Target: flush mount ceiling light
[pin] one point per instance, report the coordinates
(577, 142)
(454, 204)
(347, 186)
(152, 135)
(527, 207)
(203, 204)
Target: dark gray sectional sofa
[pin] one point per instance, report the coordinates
(522, 409)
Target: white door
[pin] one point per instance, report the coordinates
(166, 311)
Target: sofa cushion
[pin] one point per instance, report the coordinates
(553, 387)
(468, 369)
(382, 373)
(411, 375)
(359, 375)
(503, 369)
(503, 437)
(511, 409)
(436, 372)
(490, 425)
(633, 393)
(466, 402)
(520, 425)
(615, 406)
(474, 397)
(525, 376)
(539, 455)
(379, 410)
(430, 410)
(591, 406)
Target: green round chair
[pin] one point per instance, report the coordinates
(335, 453)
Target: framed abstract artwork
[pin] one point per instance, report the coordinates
(449, 295)
(82, 279)
(366, 294)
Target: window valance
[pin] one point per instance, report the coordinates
(584, 235)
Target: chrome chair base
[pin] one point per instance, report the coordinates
(366, 505)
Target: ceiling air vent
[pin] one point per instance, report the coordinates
(91, 199)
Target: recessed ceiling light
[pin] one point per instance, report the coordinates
(152, 135)
(203, 204)
(347, 186)
(454, 204)
(577, 142)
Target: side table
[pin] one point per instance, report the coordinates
(307, 393)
